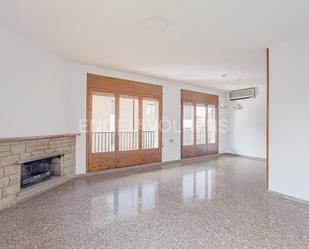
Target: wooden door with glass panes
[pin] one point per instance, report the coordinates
(199, 124)
(124, 119)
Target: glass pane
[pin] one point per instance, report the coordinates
(150, 122)
(103, 122)
(200, 124)
(128, 123)
(188, 130)
(211, 124)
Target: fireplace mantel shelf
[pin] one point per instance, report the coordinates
(12, 139)
(40, 158)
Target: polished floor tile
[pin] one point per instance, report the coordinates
(219, 203)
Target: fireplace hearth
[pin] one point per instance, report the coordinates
(37, 171)
(35, 179)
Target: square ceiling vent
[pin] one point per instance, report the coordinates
(156, 23)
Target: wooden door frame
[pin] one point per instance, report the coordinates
(119, 87)
(198, 98)
(267, 116)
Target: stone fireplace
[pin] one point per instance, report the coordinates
(30, 166)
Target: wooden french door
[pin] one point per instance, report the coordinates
(199, 124)
(124, 119)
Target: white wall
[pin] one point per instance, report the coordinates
(171, 109)
(34, 89)
(289, 118)
(42, 94)
(247, 134)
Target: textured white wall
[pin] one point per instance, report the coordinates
(289, 119)
(248, 126)
(34, 89)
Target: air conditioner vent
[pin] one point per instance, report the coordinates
(242, 94)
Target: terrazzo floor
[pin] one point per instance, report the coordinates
(218, 203)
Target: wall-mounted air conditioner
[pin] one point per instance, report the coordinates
(243, 94)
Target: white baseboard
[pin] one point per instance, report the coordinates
(247, 157)
(301, 201)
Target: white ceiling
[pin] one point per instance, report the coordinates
(205, 39)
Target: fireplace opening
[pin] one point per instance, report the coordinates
(37, 171)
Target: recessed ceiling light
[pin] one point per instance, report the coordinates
(156, 23)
